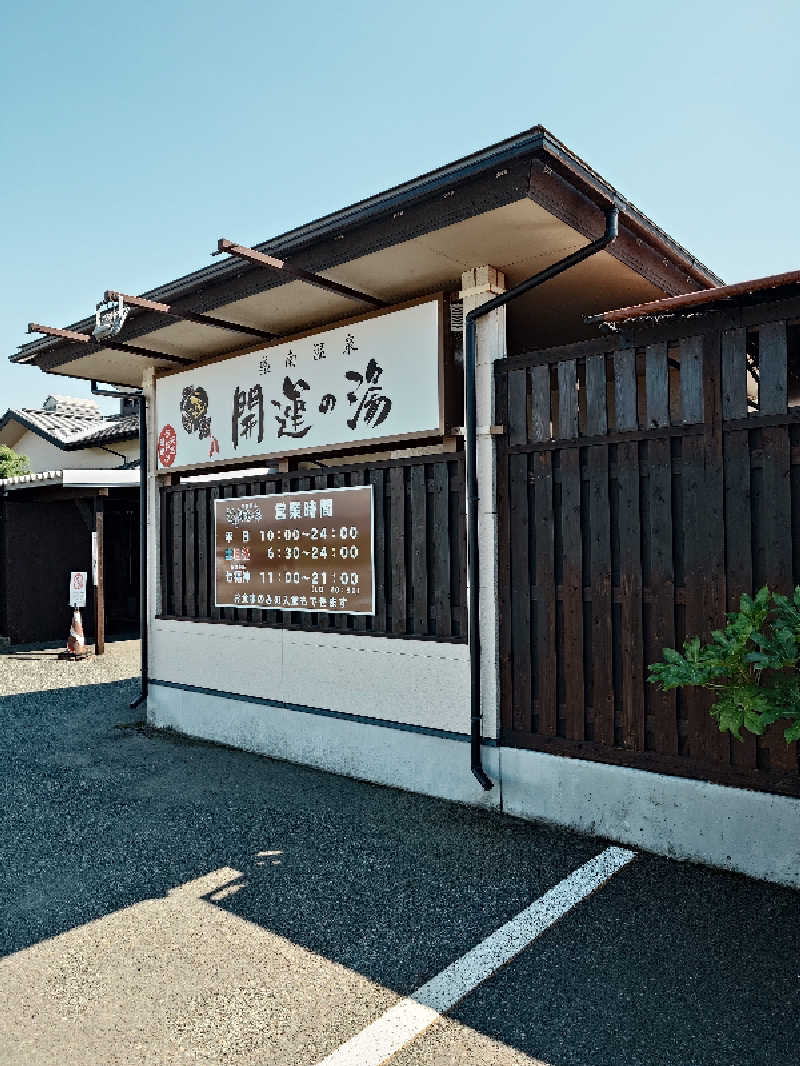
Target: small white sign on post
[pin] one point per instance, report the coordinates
(77, 588)
(94, 559)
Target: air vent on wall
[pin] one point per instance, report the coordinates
(456, 316)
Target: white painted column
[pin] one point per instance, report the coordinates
(153, 512)
(477, 287)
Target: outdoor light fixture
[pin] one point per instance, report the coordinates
(109, 318)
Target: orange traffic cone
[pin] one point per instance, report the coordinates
(75, 644)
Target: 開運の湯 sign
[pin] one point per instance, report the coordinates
(297, 551)
(377, 378)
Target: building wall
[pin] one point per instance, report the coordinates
(46, 456)
(44, 541)
(420, 683)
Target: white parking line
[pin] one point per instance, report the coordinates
(407, 1019)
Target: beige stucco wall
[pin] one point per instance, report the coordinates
(46, 456)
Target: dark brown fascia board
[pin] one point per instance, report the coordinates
(580, 174)
(567, 201)
(477, 183)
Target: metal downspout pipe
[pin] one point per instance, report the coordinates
(610, 235)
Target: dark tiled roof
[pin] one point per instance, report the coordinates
(115, 428)
(73, 431)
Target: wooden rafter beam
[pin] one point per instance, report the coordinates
(269, 261)
(118, 346)
(190, 316)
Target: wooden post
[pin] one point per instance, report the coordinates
(99, 592)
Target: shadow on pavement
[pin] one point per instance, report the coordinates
(667, 963)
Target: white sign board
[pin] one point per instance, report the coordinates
(374, 379)
(94, 559)
(77, 588)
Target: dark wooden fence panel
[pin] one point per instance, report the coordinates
(641, 491)
(419, 549)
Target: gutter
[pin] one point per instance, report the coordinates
(476, 716)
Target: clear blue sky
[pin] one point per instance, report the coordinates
(132, 136)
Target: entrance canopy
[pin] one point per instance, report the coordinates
(518, 206)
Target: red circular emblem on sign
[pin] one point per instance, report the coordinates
(77, 582)
(167, 446)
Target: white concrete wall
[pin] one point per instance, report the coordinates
(417, 682)
(431, 765)
(752, 833)
(46, 456)
(747, 832)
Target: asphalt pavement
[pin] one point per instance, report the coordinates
(165, 900)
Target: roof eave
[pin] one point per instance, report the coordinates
(535, 142)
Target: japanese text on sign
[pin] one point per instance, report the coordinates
(298, 551)
(370, 380)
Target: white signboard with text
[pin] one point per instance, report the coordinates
(374, 379)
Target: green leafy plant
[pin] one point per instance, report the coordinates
(12, 464)
(751, 666)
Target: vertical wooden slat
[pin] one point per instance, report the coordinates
(703, 502)
(545, 659)
(419, 550)
(567, 399)
(772, 369)
(190, 553)
(544, 643)
(691, 380)
(201, 508)
(440, 551)
(596, 414)
(660, 615)
(518, 606)
(734, 374)
(572, 547)
(714, 599)
(657, 385)
(165, 530)
(625, 390)
(517, 406)
(520, 590)
(178, 552)
(602, 682)
(775, 566)
(630, 568)
(376, 479)
(736, 450)
(398, 550)
(693, 530)
(502, 406)
(540, 403)
(458, 547)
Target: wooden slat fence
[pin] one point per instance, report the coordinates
(419, 549)
(641, 489)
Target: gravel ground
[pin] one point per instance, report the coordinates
(166, 900)
(34, 668)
